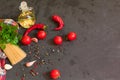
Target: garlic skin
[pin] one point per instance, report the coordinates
(29, 64)
(2, 55)
(2, 71)
(8, 66)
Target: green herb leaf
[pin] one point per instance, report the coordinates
(8, 34)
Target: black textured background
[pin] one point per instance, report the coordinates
(95, 55)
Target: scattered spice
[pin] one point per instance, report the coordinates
(47, 54)
(53, 50)
(24, 75)
(37, 73)
(36, 65)
(47, 67)
(59, 59)
(30, 52)
(58, 50)
(33, 73)
(16, 74)
(37, 56)
(43, 46)
(42, 62)
(23, 69)
(50, 62)
(22, 78)
(37, 52)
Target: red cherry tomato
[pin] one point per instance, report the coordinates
(26, 40)
(54, 74)
(41, 35)
(58, 40)
(71, 36)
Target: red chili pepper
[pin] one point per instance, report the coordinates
(36, 26)
(2, 63)
(59, 20)
(3, 77)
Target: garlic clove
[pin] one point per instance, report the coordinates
(35, 40)
(8, 66)
(29, 64)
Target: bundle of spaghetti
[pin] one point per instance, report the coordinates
(14, 53)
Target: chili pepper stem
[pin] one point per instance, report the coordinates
(45, 27)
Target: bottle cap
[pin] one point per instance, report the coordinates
(24, 7)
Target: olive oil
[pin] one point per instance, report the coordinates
(26, 18)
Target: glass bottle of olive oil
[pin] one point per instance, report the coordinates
(27, 18)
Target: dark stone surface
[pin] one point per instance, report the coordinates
(95, 55)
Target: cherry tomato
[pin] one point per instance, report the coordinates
(41, 35)
(58, 40)
(54, 74)
(71, 36)
(26, 40)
